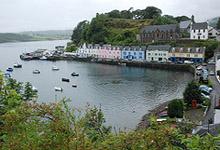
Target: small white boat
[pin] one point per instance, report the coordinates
(36, 72)
(58, 89)
(34, 89)
(55, 68)
(16, 65)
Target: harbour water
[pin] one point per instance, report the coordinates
(124, 93)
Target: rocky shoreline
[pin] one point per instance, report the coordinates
(144, 123)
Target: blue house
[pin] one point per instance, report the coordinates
(135, 53)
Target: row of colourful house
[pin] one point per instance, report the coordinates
(156, 53)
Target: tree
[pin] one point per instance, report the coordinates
(163, 20)
(29, 93)
(114, 14)
(151, 12)
(218, 23)
(181, 18)
(191, 93)
(175, 108)
(78, 32)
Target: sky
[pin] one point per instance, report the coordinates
(34, 15)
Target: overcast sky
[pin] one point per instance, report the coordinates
(32, 15)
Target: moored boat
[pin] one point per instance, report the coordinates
(65, 80)
(74, 74)
(34, 89)
(36, 72)
(9, 69)
(58, 89)
(74, 86)
(17, 65)
(55, 68)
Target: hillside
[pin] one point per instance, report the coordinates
(35, 36)
(213, 22)
(120, 27)
(12, 37)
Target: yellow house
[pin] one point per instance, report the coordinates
(180, 54)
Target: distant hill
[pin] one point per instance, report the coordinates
(35, 36)
(213, 22)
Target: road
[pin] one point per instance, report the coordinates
(214, 97)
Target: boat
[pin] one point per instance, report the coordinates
(65, 80)
(7, 75)
(58, 89)
(74, 74)
(17, 65)
(36, 72)
(9, 69)
(34, 89)
(55, 68)
(74, 86)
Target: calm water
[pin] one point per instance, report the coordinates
(119, 90)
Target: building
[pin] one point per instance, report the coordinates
(181, 54)
(135, 53)
(213, 33)
(159, 33)
(158, 53)
(199, 31)
(110, 52)
(185, 26)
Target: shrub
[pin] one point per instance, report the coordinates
(175, 108)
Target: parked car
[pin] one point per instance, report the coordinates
(188, 62)
(211, 73)
(211, 62)
(205, 96)
(199, 68)
(205, 89)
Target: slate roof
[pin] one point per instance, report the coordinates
(159, 47)
(134, 48)
(185, 24)
(164, 28)
(200, 26)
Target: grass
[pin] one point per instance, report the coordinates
(194, 115)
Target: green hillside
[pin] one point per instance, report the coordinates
(120, 27)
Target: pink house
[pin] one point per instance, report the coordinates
(110, 52)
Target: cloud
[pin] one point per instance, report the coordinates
(20, 15)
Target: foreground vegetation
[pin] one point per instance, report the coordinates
(26, 124)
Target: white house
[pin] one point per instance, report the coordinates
(158, 53)
(199, 31)
(213, 33)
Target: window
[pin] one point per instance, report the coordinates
(199, 30)
(140, 53)
(188, 55)
(140, 57)
(203, 36)
(203, 30)
(148, 53)
(194, 36)
(196, 55)
(129, 53)
(124, 53)
(194, 31)
(134, 53)
(155, 54)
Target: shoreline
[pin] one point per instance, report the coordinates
(144, 122)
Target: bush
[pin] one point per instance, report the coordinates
(175, 108)
(191, 93)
